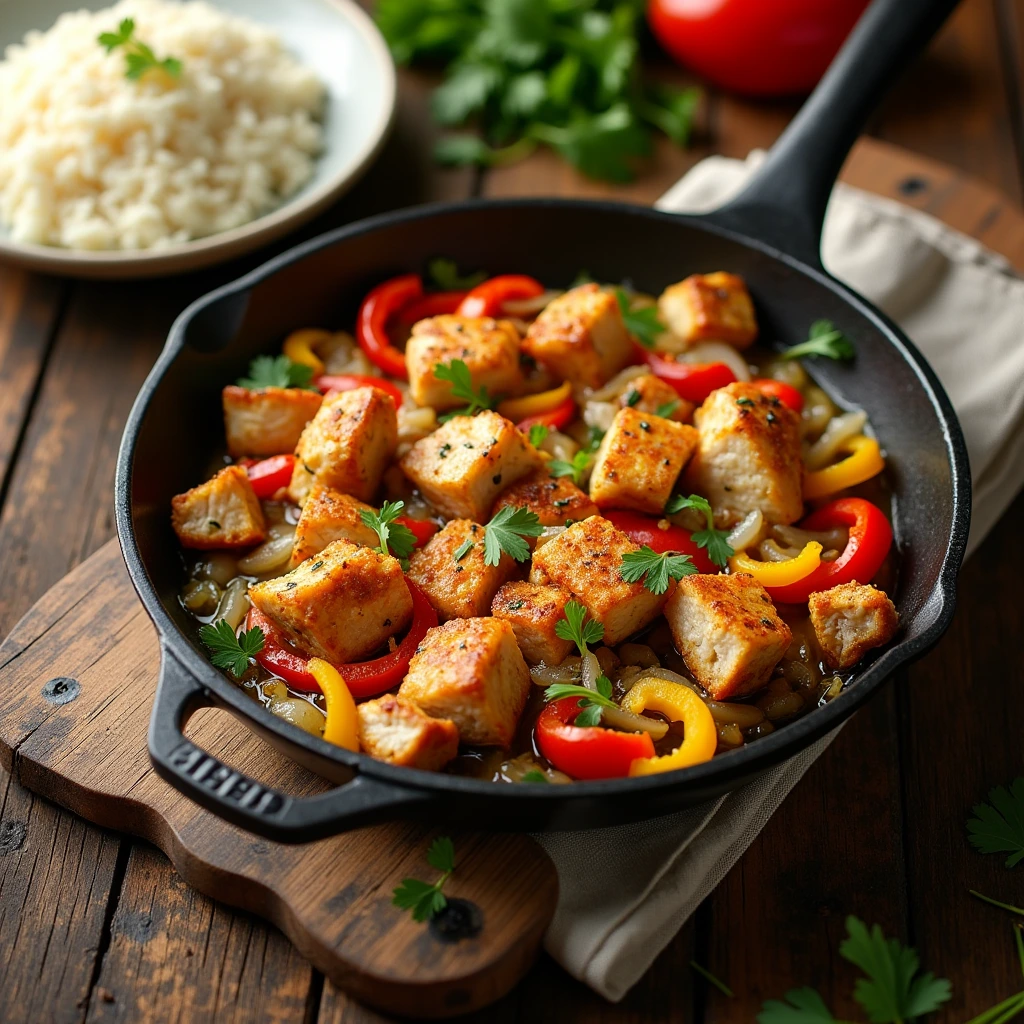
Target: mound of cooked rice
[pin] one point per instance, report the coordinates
(91, 159)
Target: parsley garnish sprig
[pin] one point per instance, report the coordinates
(655, 569)
(457, 374)
(394, 535)
(277, 372)
(138, 57)
(423, 898)
(505, 533)
(445, 274)
(998, 826)
(642, 323)
(578, 628)
(823, 340)
(576, 468)
(538, 434)
(592, 702)
(714, 541)
(230, 651)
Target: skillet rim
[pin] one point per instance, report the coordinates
(743, 763)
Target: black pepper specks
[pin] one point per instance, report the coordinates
(291, 585)
(442, 452)
(496, 479)
(315, 566)
(644, 425)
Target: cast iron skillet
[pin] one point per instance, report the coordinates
(769, 235)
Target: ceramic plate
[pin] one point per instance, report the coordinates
(334, 37)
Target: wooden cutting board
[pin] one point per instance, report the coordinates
(77, 678)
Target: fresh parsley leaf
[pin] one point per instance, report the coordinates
(505, 532)
(714, 541)
(582, 277)
(138, 57)
(445, 274)
(589, 716)
(556, 691)
(801, 1006)
(643, 323)
(422, 898)
(654, 569)
(711, 979)
(462, 550)
(230, 651)
(666, 410)
(633, 397)
(604, 685)
(468, 87)
(575, 469)
(998, 826)
(538, 434)
(893, 990)
(672, 110)
(277, 372)
(823, 340)
(534, 775)
(601, 145)
(996, 903)
(594, 438)
(457, 374)
(427, 28)
(578, 628)
(393, 535)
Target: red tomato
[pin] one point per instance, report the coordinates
(351, 381)
(692, 381)
(785, 393)
(270, 475)
(422, 529)
(758, 47)
(641, 529)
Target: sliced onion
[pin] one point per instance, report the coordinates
(743, 715)
(771, 552)
(234, 605)
(549, 533)
(599, 414)
(718, 352)
(839, 429)
(568, 671)
(794, 537)
(620, 718)
(748, 532)
(590, 670)
(560, 445)
(270, 555)
(638, 654)
(527, 307)
(669, 676)
(615, 386)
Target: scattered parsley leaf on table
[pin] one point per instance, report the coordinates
(138, 57)
(801, 1006)
(396, 536)
(422, 898)
(654, 569)
(228, 650)
(577, 627)
(505, 532)
(457, 374)
(445, 274)
(823, 340)
(575, 469)
(715, 542)
(277, 372)
(642, 323)
(998, 826)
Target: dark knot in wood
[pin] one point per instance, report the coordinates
(460, 919)
(61, 690)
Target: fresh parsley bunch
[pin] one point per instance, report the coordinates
(560, 73)
(277, 372)
(715, 542)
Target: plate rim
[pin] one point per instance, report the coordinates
(202, 252)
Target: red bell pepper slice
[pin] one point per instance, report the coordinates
(869, 542)
(268, 476)
(587, 752)
(487, 299)
(351, 381)
(785, 393)
(561, 416)
(378, 309)
(422, 529)
(641, 529)
(692, 381)
(363, 678)
(433, 304)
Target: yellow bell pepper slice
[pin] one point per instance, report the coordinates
(518, 409)
(863, 461)
(678, 703)
(299, 348)
(341, 727)
(779, 574)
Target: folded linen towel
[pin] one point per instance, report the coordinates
(626, 891)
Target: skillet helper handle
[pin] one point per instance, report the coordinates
(244, 801)
(784, 204)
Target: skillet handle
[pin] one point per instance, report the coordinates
(784, 204)
(244, 801)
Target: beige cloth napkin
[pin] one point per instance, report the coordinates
(626, 891)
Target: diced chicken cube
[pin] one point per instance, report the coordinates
(466, 462)
(341, 605)
(710, 307)
(463, 588)
(748, 456)
(328, 516)
(727, 631)
(648, 393)
(554, 500)
(268, 421)
(850, 619)
(533, 610)
(347, 445)
(471, 671)
(396, 731)
(639, 460)
(581, 337)
(221, 513)
(586, 560)
(489, 348)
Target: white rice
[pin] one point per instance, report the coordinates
(90, 159)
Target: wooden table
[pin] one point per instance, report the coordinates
(97, 927)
